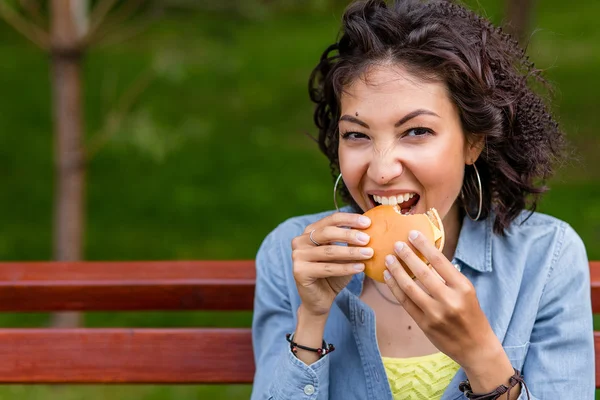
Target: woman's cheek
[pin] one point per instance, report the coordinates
(354, 168)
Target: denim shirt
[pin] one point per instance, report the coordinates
(533, 285)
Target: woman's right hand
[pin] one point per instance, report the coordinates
(322, 271)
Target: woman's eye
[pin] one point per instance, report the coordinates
(418, 132)
(354, 135)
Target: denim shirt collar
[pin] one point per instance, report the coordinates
(470, 250)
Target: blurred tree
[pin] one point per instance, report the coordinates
(69, 23)
(519, 15)
(73, 27)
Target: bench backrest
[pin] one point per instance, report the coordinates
(138, 355)
(135, 355)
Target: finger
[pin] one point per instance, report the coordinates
(405, 301)
(436, 258)
(422, 272)
(334, 234)
(333, 253)
(340, 219)
(408, 286)
(310, 271)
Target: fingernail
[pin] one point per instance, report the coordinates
(364, 221)
(362, 237)
(399, 246)
(359, 267)
(413, 235)
(366, 251)
(389, 260)
(386, 274)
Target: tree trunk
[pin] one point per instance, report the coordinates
(519, 15)
(69, 156)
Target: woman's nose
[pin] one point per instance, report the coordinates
(383, 170)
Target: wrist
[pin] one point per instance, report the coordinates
(492, 369)
(309, 332)
(306, 317)
(504, 391)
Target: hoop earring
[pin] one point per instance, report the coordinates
(480, 197)
(337, 181)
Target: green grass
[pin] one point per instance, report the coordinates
(215, 155)
(125, 392)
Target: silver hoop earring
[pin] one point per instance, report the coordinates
(337, 181)
(480, 197)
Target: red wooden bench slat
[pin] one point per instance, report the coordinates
(155, 285)
(134, 356)
(595, 279)
(597, 357)
(126, 355)
(126, 270)
(158, 285)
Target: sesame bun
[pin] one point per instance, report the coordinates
(389, 226)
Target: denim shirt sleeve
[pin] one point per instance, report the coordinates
(279, 374)
(560, 360)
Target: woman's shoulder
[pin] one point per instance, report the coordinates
(540, 224)
(545, 235)
(527, 218)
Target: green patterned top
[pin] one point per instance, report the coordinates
(420, 378)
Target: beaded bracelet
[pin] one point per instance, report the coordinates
(322, 351)
(465, 387)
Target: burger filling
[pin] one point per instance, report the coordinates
(405, 203)
(437, 234)
(436, 224)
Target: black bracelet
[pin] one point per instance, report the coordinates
(517, 378)
(322, 351)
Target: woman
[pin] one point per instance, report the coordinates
(425, 104)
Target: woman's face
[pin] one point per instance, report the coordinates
(401, 142)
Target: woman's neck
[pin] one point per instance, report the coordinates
(452, 224)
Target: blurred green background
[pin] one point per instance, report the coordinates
(215, 153)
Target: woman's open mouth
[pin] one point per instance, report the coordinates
(406, 202)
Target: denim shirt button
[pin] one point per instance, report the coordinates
(309, 389)
(362, 317)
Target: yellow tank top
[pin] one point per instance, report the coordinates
(420, 378)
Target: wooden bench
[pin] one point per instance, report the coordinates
(138, 355)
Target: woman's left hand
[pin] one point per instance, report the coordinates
(448, 312)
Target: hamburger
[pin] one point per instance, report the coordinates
(389, 225)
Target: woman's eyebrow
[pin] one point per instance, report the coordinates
(354, 120)
(411, 115)
(402, 121)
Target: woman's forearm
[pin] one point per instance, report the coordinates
(309, 332)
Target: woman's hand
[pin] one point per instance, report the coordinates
(322, 271)
(446, 309)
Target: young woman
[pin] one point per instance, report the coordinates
(425, 104)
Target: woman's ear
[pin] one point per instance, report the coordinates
(475, 146)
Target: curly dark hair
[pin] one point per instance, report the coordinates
(488, 77)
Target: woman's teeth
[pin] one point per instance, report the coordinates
(393, 200)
